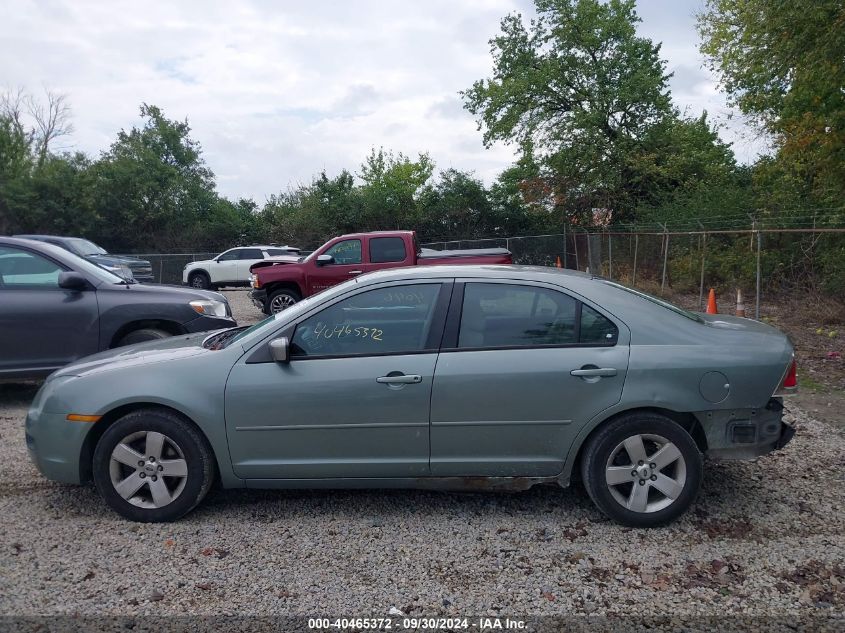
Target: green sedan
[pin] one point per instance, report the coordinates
(458, 377)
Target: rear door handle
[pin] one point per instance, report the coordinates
(596, 371)
(355, 272)
(410, 379)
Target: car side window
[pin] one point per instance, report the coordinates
(345, 252)
(229, 256)
(509, 315)
(251, 253)
(387, 249)
(274, 252)
(597, 329)
(393, 320)
(25, 269)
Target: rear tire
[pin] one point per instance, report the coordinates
(133, 457)
(142, 336)
(642, 470)
(199, 280)
(282, 299)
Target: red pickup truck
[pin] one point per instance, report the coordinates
(280, 282)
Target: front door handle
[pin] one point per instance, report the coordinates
(400, 379)
(594, 371)
(355, 272)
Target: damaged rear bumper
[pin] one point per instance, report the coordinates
(746, 433)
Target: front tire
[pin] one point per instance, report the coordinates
(142, 336)
(282, 299)
(152, 466)
(642, 470)
(199, 280)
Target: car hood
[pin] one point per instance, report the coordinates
(163, 350)
(278, 260)
(174, 292)
(115, 260)
(201, 262)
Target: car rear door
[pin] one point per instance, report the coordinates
(523, 367)
(248, 256)
(42, 326)
(353, 402)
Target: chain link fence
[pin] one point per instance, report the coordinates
(168, 267)
(755, 260)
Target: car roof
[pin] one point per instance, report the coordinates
(45, 247)
(488, 271)
(262, 247)
(375, 234)
(34, 236)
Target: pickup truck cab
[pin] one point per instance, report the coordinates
(279, 283)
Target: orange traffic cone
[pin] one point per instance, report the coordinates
(740, 306)
(711, 303)
(557, 262)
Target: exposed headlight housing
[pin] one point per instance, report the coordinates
(253, 281)
(210, 307)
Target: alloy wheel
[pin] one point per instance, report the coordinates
(281, 302)
(646, 473)
(148, 469)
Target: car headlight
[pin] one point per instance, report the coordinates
(253, 281)
(210, 307)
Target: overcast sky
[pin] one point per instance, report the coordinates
(278, 91)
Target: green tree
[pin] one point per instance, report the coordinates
(390, 189)
(153, 189)
(783, 63)
(581, 87)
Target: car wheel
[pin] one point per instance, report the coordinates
(151, 465)
(199, 280)
(142, 336)
(282, 300)
(642, 470)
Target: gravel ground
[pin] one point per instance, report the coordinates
(764, 538)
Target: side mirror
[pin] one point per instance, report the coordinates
(280, 349)
(72, 280)
(324, 259)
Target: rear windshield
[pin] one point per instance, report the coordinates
(665, 304)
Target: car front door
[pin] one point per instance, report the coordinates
(42, 326)
(522, 369)
(225, 268)
(347, 262)
(353, 401)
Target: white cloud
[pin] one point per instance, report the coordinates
(277, 91)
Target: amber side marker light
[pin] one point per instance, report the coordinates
(76, 417)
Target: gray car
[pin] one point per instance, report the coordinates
(57, 307)
(468, 377)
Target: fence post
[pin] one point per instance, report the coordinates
(636, 244)
(610, 256)
(759, 247)
(161, 269)
(665, 256)
(575, 241)
(565, 254)
(701, 283)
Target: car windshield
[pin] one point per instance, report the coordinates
(665, 304)
(82, 265)
(257, 328)
(84, 247)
